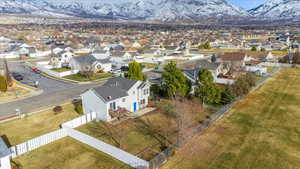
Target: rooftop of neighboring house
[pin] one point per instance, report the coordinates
(118, 54)
(89, 60)
(233, 56)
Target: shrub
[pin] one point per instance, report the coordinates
(78, 108)
(3, 84)
(57, 109)
(227, 95)
(243, 84)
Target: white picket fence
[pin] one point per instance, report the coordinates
(37, 142)
(50, 137)
(115, 152)
(45, 67)
(80, 120)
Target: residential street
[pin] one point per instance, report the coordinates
(36, 102)
(47, 84)
(55, 91)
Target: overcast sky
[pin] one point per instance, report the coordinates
(247, 4)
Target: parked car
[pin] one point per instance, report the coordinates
(17, 76)
(36, 70)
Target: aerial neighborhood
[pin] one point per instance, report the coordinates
(79, 93)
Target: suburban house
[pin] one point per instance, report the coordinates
(90, 63)
(117, 94)
(216, 69)
(4, 155)
(237, 60)
(101, 54)
(26, 50)
(61, 59)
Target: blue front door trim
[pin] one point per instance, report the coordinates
(134, 107)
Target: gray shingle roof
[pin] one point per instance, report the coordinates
(109, 93)
(122, 83)
(85, 60)
(89, 60)
(4, 151)
(204, 64)
(114, 88)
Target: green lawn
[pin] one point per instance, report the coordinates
(97, 76)
(61, 69)
(68, 153)
(21, 130)
(261, 132)
(140, 142)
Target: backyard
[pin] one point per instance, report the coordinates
(20, 130)
(260, 132)
(97, 76)
(70, 154)
(141, 136)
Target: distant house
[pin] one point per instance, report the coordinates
(101, 54)
(61, 59)
(136, 45)
(26, 50)
(116, 94)
(237, 60)
(126, 55)
(216, 69)
(90, 63)
(4, 155)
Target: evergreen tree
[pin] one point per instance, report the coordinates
(174, 81)
(207, 90)
(205, 45)
(227, 95)
(135, 71)
(253, 48)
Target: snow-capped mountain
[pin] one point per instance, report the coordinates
(278, 9)
(163, 10)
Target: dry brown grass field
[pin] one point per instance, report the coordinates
(260, 132)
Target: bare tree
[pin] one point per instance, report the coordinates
(7, 74)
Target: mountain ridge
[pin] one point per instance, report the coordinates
(163, 10)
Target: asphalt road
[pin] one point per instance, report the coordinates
(47, 84)
(55, 91)
(43, 100)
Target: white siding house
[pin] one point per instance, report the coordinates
(4, 155)
(117, 93)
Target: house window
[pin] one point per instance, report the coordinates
(112, 106)
(146, 91)
(124, 100)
